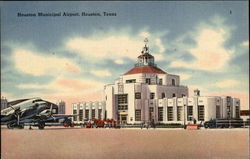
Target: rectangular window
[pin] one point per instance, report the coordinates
(99, 113)
(122, 101)
(93, 114)
(138, 95)
(170, 113)
(138, 115)
(179, 113)
(160, 113)
(189, 113)
(151, 113)
(152, 95)
(217, 111)
(131, 81)
(173, 82)
(160, 81)
(80, 114)
(122, 107)
(148, 81)
(201, 112)
(87, 114)
(237, 112)
(75, 112)
(229, 111)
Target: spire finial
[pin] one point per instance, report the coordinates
(145, 48)
(146, 41)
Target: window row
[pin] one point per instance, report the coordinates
(93, 114)
(152, 95)
(170, 113)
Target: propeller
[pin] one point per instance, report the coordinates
(50, 110)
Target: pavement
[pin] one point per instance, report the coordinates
(130, 143)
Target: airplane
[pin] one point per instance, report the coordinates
(32, 111)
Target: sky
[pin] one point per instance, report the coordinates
(72, 58)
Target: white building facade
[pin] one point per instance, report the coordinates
(137, 92)
(146, 93)
(199, 108)
(88, 111)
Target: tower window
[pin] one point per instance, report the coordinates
(160, 81)
(138, 95)
(122, 101)
(148, 81)
(162, 95)
(152, 95)
(138, 115)
(131, 81)
(173, 82)
(174, 95)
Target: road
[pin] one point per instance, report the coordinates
(80, 143)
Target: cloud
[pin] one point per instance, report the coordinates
(66, 87)
(119, 61)
(114, 45)
(245, 43)
(144, 34)
(31, 63)
(158, 43)
(100, 73)
(8, 95)
(227, 84)
(184, 76)
(209, 52)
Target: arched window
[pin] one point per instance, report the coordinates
(162, 95)
(173, 82)
(173, 94)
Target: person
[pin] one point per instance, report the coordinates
(30, 127)
(194, 121)
(142, 124)
(153, 123)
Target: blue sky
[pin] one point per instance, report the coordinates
(72, 58)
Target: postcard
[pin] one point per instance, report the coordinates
(120, 79)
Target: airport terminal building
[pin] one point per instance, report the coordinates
(146, 93)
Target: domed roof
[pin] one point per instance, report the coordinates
(145, 69)
(145, 55)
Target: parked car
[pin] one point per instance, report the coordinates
(224, 123)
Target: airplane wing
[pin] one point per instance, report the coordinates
(54, 117)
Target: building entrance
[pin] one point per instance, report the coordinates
(122, 118)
